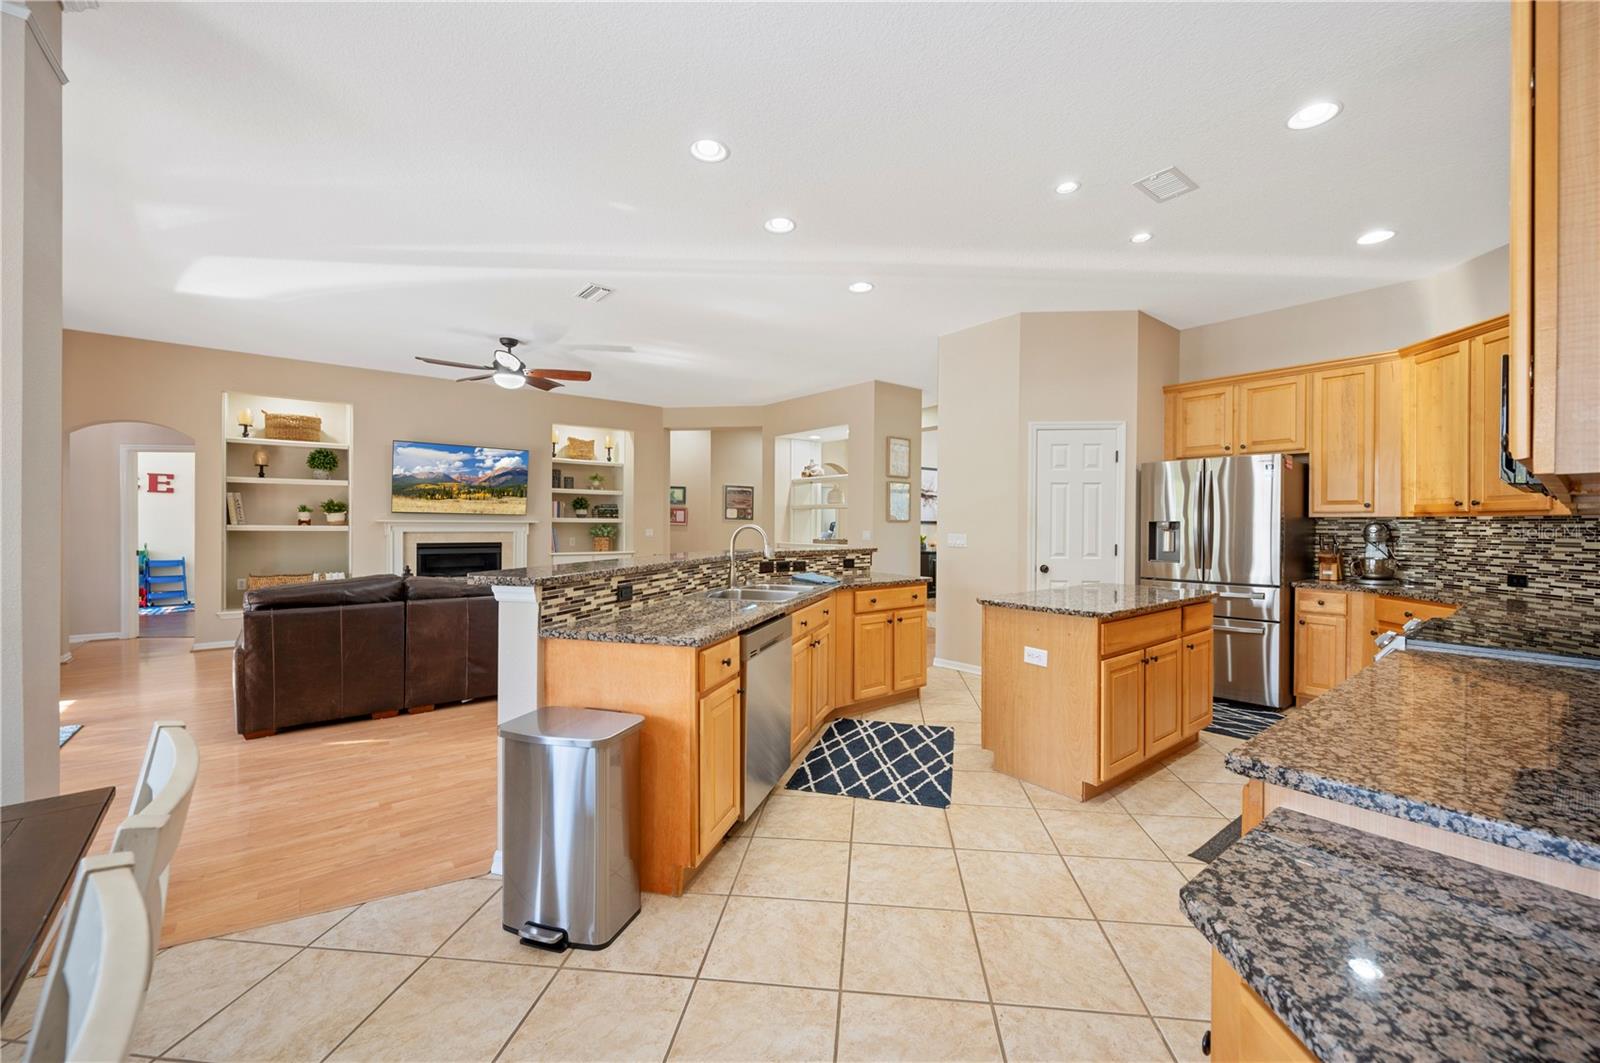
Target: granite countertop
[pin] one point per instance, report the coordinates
(1368, 948)
(1107, 601)
(637, 565)
(695, 620)
(1417, 592)
(1504, 751)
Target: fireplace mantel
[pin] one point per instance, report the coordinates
(397, 530)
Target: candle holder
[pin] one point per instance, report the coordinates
(552, 448)
(259, 459)
(608, 453)
(244, 431)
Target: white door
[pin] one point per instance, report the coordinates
(1077, 506)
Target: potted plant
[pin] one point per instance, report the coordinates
(580, 506)
(596, 481)
(322, 462)
(334, 510)
(603, 537)
(303, 514)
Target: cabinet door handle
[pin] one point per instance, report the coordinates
(1373, 632)
(1321, 602)
(1302, 623)
(1457, 502)
(914, 597)
(1244, 446)
(1409, 614)
(1190, 645)
(825, 612)
(1366, 505)
(1476, 502)
(805, 623)
(1226, 447)
(727, 662)
(872, 601)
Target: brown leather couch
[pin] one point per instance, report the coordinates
(369, 646)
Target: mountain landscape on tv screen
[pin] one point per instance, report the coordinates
(447, 478)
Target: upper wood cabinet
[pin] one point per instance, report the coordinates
(1222, 418)
(1490, 354)
(1343, 440)
(1200, 422)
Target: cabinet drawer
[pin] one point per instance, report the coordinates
(810, 620)
(1196, 618)
(870, 601)
(1119, 636)
(1394, 612)
(1311, 600)
(719, 662)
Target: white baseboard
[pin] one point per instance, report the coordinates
(66, 658)
(98, 636)
(197, 647)
(957, 666)
(496, 865)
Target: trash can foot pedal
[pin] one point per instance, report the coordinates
(543, 937)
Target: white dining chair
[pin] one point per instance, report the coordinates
(160, 807)
(95, 986)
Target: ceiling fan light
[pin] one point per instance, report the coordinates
(507, 361)
(507, 379)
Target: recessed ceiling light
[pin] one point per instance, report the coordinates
(1314, 114)
(508, 380)
(1139, 238)
(709, 150)
(1376, 236)
(861, 287)
(779, 225)
(1066, 188)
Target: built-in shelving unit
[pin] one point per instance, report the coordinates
(570, 540)
(270, 541)
(812, 503)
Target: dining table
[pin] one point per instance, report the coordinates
(41, 843)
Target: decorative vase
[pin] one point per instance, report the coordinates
(319, 474)
(335, 518)
(302, 518)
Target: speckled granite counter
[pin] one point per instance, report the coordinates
(638, 565)
(1419, 592)
(1504, 751)
(1371, 949)
(1108, 601)
(695, 620)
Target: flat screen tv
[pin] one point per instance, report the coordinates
(448, 478)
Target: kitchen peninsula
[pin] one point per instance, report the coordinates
(1085, 684)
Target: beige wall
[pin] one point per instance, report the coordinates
(690, 464)
(1379, 319)
(115, 378)
(704, 460)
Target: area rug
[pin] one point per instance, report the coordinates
(1219, 841)
(67, 731)
(905, 763)
(165, 610)
(1236, 721)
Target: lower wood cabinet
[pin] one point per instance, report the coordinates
(1163, 697)
(800, 679)
(1334, 633)
(1121, 713)
(1320, 653)
(910, 648)
(1198, 677)
(821, 661)
(721, 754)
(874, 655)
(1243, 1028)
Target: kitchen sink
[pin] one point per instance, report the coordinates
(748, 593)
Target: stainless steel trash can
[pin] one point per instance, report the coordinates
(568, 799)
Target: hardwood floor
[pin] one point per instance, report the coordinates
(300, 822)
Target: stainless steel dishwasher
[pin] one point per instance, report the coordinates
(766, 659)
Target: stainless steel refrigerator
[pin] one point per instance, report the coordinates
(1236, 526)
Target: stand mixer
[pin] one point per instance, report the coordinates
(1376, 568)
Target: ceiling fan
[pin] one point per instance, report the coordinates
(510, 372)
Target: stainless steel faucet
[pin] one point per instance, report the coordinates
(733, 561)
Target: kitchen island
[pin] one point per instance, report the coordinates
(1084, 685)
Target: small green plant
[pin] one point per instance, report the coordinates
(304, 508)
(580, 504)
(603, 531)
(333, 505)
(322, 460)
(596, 481)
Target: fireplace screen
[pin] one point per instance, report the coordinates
(456, 559)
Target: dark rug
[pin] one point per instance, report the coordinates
(905, 763)
(1237, 721)
(67, 731)
(1219, 841)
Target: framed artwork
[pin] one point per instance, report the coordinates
(679, 516)
(930, 496)
(677, 496)
(738, 503)
(899, 457)
(900, 503)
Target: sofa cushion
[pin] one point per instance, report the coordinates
(429, 588)
(362, 590)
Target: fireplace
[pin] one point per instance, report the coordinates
(456, 559)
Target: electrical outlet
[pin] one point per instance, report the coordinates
(1034, 655)
(955, 539)
(849, 562)
(1516, 579)
(867, 535)
(238, 584)
(649, 533)
(624, 592)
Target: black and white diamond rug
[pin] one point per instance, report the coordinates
(906, 763)
(1238, 721)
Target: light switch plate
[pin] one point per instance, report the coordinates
(955, 539)
(1034, 655)
(649, 533)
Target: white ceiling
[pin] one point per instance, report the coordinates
(359, 183)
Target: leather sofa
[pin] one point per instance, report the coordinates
(370, 646)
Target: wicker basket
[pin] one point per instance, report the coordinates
(580, 449)
(301, 427)
(601, 544)
(255, 583)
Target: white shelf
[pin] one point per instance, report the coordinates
(586, 520)
(263, 441)
(287, 481)
(823, 477)
(587, 461)
(825, 505)
(591, 553)
(581, 491)
(288, 527)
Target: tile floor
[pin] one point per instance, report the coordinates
(1015, 922)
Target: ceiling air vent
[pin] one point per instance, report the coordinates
(594, 293)
(1165, 184)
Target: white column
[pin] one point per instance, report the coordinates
(521, 679)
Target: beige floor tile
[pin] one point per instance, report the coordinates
(1163, 794)
(974, 758)
(193, 982)
(782, 867)
(904, 712)
(967, 732)
(1034, 1036)
(907, 875)
(1183, 1037)
(987, 788)
(1056, 963)
(888, 823)
(1135, 891)
(738, 1023)
(415, 923)
(670, 935)
(301, 931)
(1171, 965)
(450, 1009)
(301, 1010)
(11, 1051)
(1202, 763)
(913, 1030)
(1226, 797)
(1222, 742)
(1043, 798)
(817, 818)
(958, 708)
(19, 1020)
(781, 942)
(921, 952)
(1020, 884)
(1178, 836)
(1011, 829)
(1093, 833)
(716, 874)
(596, 1015)
(485, 938)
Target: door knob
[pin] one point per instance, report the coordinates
(1044, 568)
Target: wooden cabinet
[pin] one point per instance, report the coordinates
(821, 664)
(1163, 697)
(1121, 713)
(1355, 439)
(1490, 356)
(889, 644)
(800, 695)
(1200, 422)
(910, 648)
(721, 753)
(1197, 682)
(874, 655)
(1434, 445)
(1321, 649)
(1257, 414)
(1243, 1028)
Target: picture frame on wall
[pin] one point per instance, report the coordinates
(679, 516)
(899, 504)
(738, 502)
(677, 496)
(899, 457)
(930, 495)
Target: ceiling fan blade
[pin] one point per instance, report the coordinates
(453, 365)
(541, 384)
(560, 374)
(469, 379)
(619, 348)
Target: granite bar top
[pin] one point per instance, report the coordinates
(1417, 592)
(638, 565)
(1504, 751)
(1369, 948)
(695, 620)
(1108, 601)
